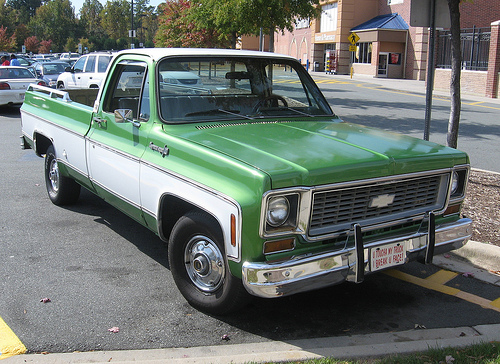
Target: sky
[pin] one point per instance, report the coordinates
(78, 4)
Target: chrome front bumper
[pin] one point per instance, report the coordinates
(304, 273)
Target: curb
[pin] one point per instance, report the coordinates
(346, 347)
(480, 259)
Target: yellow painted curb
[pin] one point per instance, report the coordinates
(10, 345)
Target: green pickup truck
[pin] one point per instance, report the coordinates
(236, 160)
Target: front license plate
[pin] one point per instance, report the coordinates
(388, 255)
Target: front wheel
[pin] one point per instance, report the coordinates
(199, 266)
(61, 190)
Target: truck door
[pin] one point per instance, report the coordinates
(115, 144)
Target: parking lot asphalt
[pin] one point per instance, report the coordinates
(477, 259)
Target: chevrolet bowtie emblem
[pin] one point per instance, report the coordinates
(382, 201)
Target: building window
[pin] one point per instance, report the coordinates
(363, 53)
(328, 18)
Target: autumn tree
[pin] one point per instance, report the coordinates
(45, 46)
(7, 43)
(32, 43)
(177, 29)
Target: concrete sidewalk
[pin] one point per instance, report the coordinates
(403, 85)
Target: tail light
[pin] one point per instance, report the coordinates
(41, 83)
(4, 86)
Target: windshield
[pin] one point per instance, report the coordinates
(53, 68)
(208, 89)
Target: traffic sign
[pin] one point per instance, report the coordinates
(352, 48)
(353, 38)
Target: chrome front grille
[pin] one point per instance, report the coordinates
(376, 202)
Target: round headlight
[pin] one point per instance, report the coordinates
(454, 183)
(278, 209)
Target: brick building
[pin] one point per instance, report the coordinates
(388, 45)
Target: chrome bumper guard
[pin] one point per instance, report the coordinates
(304, 273)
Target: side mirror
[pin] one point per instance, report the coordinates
(125, 116)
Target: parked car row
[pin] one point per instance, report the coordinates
(86, 71)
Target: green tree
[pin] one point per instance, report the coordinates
(110, 44)
(7, 16)
(115, 18)
(90, 18)
(21, 34)
(7, 44)
(71, 45)
(145, 21)
(56, 21)
(177, 29)
(26, 8)
(226, 17)
(248, 17)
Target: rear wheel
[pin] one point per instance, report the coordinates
(61, 190)
(60, 85)
(199, 266)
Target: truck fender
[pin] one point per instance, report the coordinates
(172, 207)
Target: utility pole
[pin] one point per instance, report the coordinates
(132, 32)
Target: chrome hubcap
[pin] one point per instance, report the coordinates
(204, 263)
(54, 175)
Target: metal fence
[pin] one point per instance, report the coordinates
(475, 47)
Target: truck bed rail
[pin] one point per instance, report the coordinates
(53, 93)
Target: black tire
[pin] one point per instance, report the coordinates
(199, 266)
(60, 85)
(61, 190)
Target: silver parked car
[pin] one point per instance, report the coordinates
(13, 84)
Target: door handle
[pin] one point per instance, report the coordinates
(99, 121)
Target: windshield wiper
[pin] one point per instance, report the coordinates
(218, 111)
(281, 108)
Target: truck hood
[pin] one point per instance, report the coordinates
(306, 153)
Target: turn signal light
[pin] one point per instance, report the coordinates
(279, 246)
(451, 210)
(233, 230)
